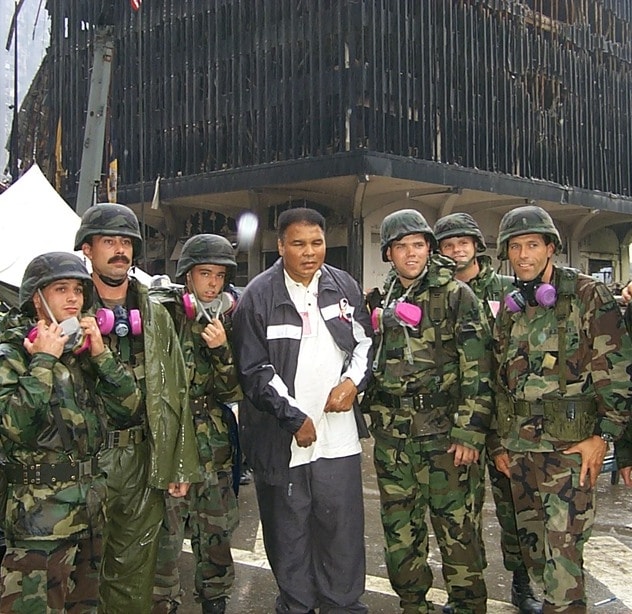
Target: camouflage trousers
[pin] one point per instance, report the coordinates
(554, 516)
(416, 475)
(210, 508)
(505, 512)
(46, 577)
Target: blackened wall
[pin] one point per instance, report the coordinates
(538, 89)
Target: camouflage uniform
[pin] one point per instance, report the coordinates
(426, 396)
(51, 430)
(490, 288)
(146, 454)
(623, 448)
(210, 506)
(543, 410)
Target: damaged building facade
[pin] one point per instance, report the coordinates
(356, 108)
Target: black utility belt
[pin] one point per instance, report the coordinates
(417, 402)
(125, 437)
(50, 473)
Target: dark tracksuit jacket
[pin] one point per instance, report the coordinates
(267, 336)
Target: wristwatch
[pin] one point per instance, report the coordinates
(607, 437)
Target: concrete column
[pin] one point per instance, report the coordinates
(355, 249)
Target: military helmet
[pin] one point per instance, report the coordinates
(399, 224)
(459, 225)
(110, 219)
(529, 219)
(53, 266)
(205, 249)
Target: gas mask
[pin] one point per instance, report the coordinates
(532, 293)
(77, 341)
(398, 313)
(119, 320)
(195, 309)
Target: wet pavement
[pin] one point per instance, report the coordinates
(608, 557)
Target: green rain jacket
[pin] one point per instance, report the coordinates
(174, 456)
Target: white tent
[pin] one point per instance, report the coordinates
(35, 219)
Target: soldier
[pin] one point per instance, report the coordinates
(460, 238)
(57, 379)
(623, 455)
(158, 452)
(623, 446)
(199, 310)
(302, 338)
(430, 410)
(626, 295)
(563, 392)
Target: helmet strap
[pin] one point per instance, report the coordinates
(46, 307)
(200, 304)
(462, 266)
(110, 281)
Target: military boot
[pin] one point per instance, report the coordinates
(214, 606)
(522, 594)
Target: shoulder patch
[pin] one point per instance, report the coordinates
(604, 294)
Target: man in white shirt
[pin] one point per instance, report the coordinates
(303, 343)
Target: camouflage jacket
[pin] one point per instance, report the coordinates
(156, 360)
(598, 362)
(456, 369)
(623, 447)
(490, 288)
(212, 377)
(76, 386)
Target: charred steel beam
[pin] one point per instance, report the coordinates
(381, 165)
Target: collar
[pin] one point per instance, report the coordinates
(292, 285)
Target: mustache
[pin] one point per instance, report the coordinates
(122, 258)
